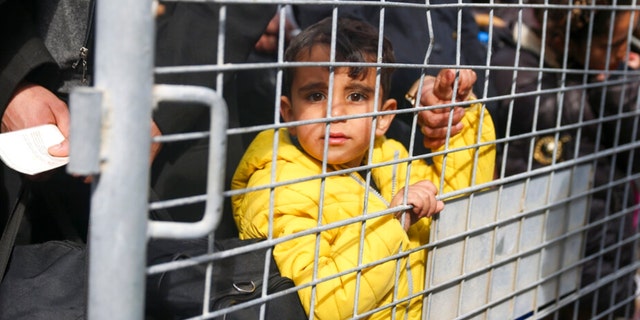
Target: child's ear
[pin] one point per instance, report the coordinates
(384, 121)
(286, 112)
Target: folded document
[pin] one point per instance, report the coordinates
(26, 150)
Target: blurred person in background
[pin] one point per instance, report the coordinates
(588, 49)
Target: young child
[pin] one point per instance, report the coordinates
(370, 260)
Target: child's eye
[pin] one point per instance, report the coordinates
(356, 97)
(316, 97)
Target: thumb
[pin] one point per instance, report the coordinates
(60, 150)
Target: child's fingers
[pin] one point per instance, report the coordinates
(428, 185)
(422, 197)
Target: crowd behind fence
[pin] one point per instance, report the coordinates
(509, 248)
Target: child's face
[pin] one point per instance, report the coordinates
(600, 44)
(348, 139)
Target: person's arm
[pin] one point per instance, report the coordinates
(24, 56)
(28, 74)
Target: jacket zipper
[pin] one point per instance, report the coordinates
(363, 182)
(372, 190)
(375, 192)
(83, 56)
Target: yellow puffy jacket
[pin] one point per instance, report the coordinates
(353, 257)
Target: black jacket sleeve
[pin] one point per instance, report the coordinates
(187, 34)
(23, 55)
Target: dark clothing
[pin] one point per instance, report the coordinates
(600, 238)
(23, 54)
(25, 57)
(187, 34)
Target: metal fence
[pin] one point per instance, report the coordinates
(510, 248)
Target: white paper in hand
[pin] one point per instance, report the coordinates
(26, 150)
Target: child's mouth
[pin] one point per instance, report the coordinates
(337, 138)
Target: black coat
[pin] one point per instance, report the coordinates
(22, 54)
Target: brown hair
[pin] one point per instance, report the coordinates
(356, 41)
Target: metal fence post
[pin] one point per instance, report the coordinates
(117, 241)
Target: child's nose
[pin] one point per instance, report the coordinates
(338, 108)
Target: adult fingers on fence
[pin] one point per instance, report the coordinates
(438, 123)
(434, 124)
(444, 85)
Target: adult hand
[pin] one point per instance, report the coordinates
(33, 105)
(439, 90)
(268, 42)
(155, 146)
(422, 197)
(633, 60)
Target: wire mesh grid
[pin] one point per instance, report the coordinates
(513, 246)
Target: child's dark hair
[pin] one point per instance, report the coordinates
(356, 41)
